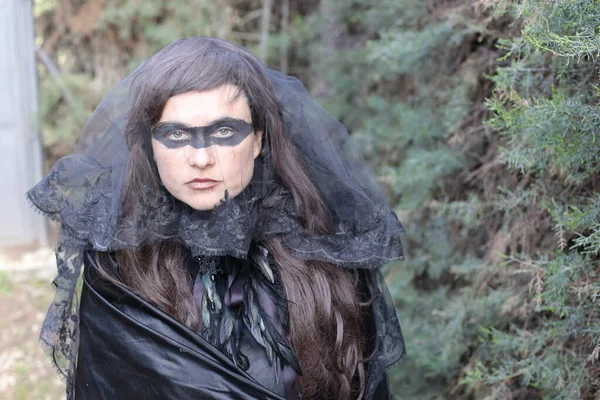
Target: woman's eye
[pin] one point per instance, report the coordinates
(176, 135)
(223, 133)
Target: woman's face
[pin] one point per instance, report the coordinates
(204, 144)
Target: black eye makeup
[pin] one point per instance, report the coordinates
(222, 132)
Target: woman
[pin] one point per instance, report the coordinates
(231, 239)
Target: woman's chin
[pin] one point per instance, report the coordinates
(203, 205)
(200, 200)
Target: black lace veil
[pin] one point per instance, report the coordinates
(84, 193)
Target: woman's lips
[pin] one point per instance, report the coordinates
(200, 184)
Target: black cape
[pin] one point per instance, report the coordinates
(131, 350)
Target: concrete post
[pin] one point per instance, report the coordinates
(20, 149)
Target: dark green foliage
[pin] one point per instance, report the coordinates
(499, 297)
(567, 28)
(550, 135)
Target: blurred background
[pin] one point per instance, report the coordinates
(480, 118)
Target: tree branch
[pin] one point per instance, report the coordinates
(55, 74)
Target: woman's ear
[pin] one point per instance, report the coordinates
(258, 143)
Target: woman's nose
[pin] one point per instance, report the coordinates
(202, 157)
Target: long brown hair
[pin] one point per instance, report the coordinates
(325, 314)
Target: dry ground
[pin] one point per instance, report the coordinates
(25, 293)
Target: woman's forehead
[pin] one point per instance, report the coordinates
(202, 108)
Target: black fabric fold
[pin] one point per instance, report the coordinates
(130, 349)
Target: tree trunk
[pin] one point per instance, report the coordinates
(263, 51)
(283, 54)
(322, 54)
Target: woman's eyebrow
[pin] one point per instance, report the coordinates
(222, 120)
(227, 119)
(173, 123)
